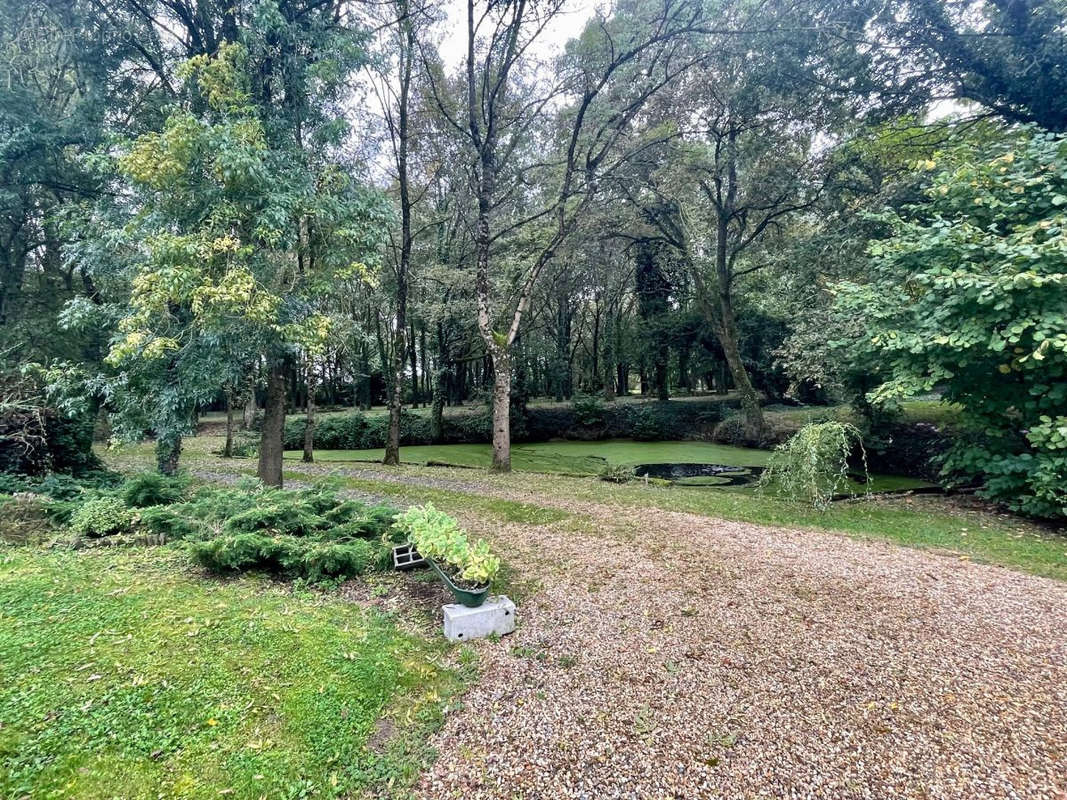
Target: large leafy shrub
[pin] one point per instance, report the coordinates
(37, 437)
(968, 296)
(588, 410)
(101, 516)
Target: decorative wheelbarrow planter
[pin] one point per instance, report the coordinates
(471, 597)
(467, 568)
(406, 557)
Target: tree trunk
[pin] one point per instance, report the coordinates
(413, 354)
(662, 390)
(501, 411)
(398, 131)
(437, 409)
(271, 440)
(309, 423)
(168, 451)
(227, 449)
(396, 390)
(249, 414)
(750, 406)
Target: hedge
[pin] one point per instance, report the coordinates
(586, 419)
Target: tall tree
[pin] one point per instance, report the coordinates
(506, 109)
(757, 124)
(1010, 56)
(394, 82)
(235, 234)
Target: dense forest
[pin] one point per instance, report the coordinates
(267, 207)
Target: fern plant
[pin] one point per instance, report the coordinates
(812, 467)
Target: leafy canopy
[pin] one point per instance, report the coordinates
(969, 296)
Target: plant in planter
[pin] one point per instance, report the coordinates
(466, 568)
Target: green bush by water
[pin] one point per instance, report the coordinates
(812, 467)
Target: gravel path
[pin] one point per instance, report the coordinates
(666, 655)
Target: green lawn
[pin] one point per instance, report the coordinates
(931, 522)
(579, 458)
(124, 673)
(587, 458)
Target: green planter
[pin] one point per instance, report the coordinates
(472, 598)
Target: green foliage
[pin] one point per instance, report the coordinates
(57, 486)
(220, 196)
(153, 489)
(38, 434)
(101, 516)
(245, 445)
(616, 473)
(169, 524)
(283, 517)
(290, 556)
(812, 467)
(588, 410)
(649, 423)
(312, 534)
(968, 297)
(437, 536)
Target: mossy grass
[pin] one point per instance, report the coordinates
(587, 458)
(127, 673)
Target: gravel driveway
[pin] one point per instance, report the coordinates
(667, 655)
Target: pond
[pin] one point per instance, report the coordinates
(700, 474)
(685, 463)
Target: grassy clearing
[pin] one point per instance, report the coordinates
(125, 674)
(588, 458)
(575, 458)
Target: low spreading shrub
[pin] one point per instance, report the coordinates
(311, 534)
(314, 534)
(153, 489)
(57, 486)
(168, 524)
(437, 536)
(289, 556)
(616, 473)
(281, 517)
(245, 445)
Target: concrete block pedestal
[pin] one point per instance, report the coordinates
(495, 615)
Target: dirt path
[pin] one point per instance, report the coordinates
(667, 655)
